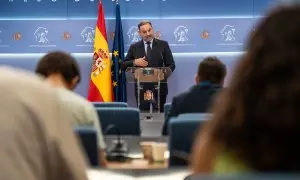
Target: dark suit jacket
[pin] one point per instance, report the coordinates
(161, 56)
(197, 100)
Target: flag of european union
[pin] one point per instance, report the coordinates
(119, 76)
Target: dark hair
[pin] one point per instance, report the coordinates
(211, 69)
(257, 118)
(142, 23)
(61, 63)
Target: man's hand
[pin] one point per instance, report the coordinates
(141, 62)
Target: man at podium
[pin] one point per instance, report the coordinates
(150, 52)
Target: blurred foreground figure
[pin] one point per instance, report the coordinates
(62, 72)
(255, 124)
(36, 139)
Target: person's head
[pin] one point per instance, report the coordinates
(146, 30)
(257, 116)
(59, 66)
(211, 69)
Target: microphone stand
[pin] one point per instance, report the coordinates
(119, 151)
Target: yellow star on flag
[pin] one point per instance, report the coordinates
(120, 71)
(115, 84)
(116, 53)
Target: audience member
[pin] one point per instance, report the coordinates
(37, 141)
(255, 126)
(209, 80)
(62, 72)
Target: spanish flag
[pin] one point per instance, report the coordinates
(101, 84)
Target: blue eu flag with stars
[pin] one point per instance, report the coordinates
(119, 76)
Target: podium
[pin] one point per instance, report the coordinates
(142, 76)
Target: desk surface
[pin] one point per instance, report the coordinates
(150, 174)
(137, 164)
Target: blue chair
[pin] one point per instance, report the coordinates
(182, 131)
(193, 115)
(125, 120)
(88, 138)
(167, 108)
(110, 104)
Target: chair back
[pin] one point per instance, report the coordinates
(182, 130)
(125, 120)
(88, 138)
(110, 104)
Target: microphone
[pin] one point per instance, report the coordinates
(119, 150)
(167, 71)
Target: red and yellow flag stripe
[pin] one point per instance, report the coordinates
(101, 83)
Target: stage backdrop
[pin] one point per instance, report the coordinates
(193, 28)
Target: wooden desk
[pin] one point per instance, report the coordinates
(137, 164)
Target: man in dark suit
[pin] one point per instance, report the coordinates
(209, 80)
(150, 52)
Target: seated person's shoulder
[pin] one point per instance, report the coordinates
(13, 78)
(73, 97)
(78, 105)
(177, 103)
(184, 95)
(180, 97)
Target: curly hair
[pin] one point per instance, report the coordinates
(257, 118)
